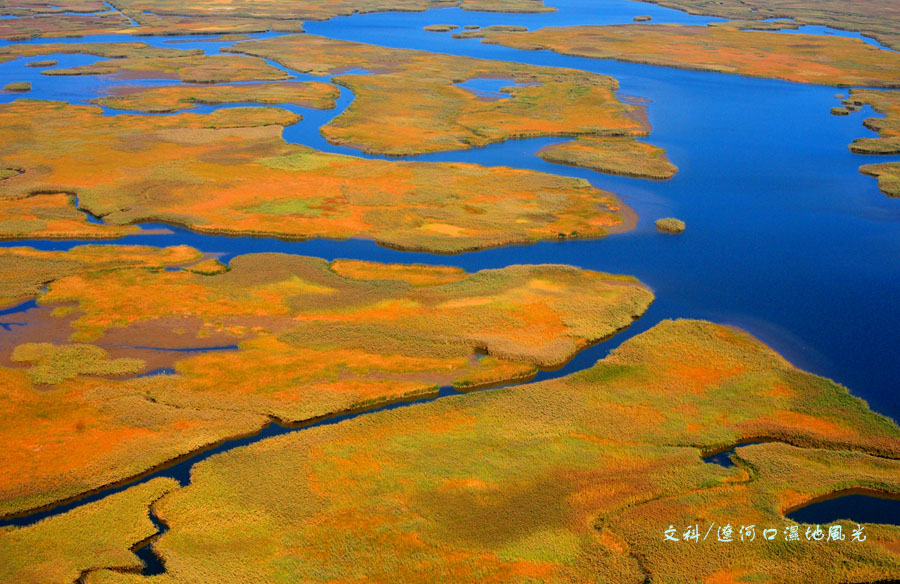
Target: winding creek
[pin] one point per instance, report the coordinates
(784, 239)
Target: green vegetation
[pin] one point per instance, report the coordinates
(55, 363)
(670, 225)
(67, 546)
(605, 459)
(840, 111)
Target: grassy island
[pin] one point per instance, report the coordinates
(553, 101)
(314, 338)
(231, 172)
(622, 156)
(886, 103)
(18, 86)
(440, 27)
(670, 225)
(824, 60)
(875, 18)
(169, 17)
(180, 97)
(888, 175)
(606, 459)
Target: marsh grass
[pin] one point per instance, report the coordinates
(823, 60)
(569, 480)
(622, 156)
(670, 225)
(18, 86)
(315, 338)
(64, 547)
(230, 172)
(51, 364)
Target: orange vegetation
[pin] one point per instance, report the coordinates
(224, 173)
(315, 338)
(209, 16)
(554, 101)
(876, 18)
(825, 60)
(51, 215)
(181, 97)
(613, 155)
(432, 492)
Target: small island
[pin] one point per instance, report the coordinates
(670, 225)
(18, 86)
(440, 27)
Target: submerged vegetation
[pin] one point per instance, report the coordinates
(605, 460)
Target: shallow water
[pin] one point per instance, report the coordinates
(784, 237)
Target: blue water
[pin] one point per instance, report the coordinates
(857, 508)
(784, 237)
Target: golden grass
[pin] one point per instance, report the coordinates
(315, 338)
(50, 216)
(51, 364)
(226, 173)
(888, 127)
(888, 141)
(876, 18)
(888, 175)
(24, 271)
(440, 27)
(156, 17)
(570, 480)
(670, 225)
(622, 156)
(139, 59)
(554, 102)
(180, 97)
(824, 60)
(18, 86)
(62, 548)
